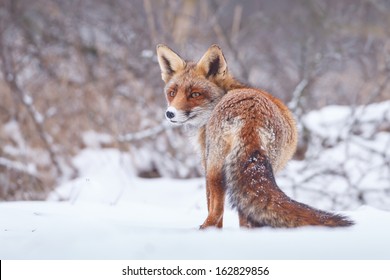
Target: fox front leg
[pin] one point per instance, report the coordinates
(215, 200)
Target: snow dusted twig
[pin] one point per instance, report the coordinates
(17, 166)
(297, 94)
(147, 133)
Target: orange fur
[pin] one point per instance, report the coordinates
(245, 135)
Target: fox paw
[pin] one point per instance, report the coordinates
(208, 224)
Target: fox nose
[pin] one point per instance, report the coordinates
(170, 115)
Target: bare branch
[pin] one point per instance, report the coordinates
(4, 162)
(144, 134)
(27, 102)
(297, 94)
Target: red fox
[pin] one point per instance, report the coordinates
(245, 135)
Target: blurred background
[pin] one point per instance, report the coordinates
(80, 74)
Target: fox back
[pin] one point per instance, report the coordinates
(245, 135)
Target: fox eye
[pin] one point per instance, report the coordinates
(195, 94)
(171, 93)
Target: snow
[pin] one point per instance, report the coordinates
(147, 53)
(95, 140)
(107, 212)
(9, 164)
(12, 128)
(110, 214)
(347, 161)
(334, 122)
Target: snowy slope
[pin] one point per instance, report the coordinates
(110, 214)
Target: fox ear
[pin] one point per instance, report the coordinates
(169, 61)
(213, 63)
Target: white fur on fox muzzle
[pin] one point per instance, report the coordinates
(175, 116)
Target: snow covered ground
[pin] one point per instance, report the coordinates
(108, 213)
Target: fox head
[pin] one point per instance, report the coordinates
(192, 89)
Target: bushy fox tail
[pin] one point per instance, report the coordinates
(253, 191)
